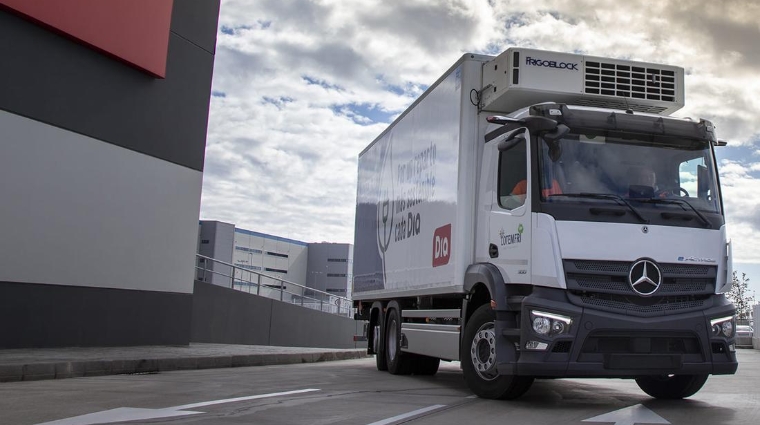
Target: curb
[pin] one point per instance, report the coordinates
(86, 368)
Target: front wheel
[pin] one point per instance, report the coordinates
(671, 387)
(479, 360)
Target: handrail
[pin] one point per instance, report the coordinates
(342, 303)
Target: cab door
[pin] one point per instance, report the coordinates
(509, 218)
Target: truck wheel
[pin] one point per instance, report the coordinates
(479, 360)
(671, 387)
(425, 365)
(399, 363)
(377, 343)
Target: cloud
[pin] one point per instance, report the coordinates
(301, 87)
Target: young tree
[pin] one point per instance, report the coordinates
(741, 296)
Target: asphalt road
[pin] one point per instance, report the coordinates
(354, 392)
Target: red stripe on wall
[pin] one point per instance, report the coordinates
(134, 31)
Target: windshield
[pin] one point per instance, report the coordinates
(642, 169)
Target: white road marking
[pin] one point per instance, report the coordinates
(636, 414)
(124, 414)
(232, 400)
(408, 415)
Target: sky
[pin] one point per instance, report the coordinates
(301, 87)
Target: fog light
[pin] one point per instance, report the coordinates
(731, 348)
(541, 325)
(536, 345)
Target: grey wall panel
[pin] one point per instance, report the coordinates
(34, 315)
(223, 315)
(295, 326)
(196, 21)
(55, 80)
(80, 212)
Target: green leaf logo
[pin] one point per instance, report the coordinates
(520, 229)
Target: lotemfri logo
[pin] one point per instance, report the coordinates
(442, 245)
(551, 64)
(513, 238)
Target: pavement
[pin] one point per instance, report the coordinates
(28, 364)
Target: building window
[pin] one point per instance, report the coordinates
(341, 291)
(204, 241)
(276, 270)
(276, 254)
(336, 275)
(336, 260)
(244, 249)
(247, 267)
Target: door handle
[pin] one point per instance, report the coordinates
(493, 251)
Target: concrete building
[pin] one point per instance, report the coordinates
(104, 112)
(323, 266)
(329, 268)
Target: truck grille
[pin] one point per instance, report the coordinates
(616, 303)
(621, 80)
(604, 285)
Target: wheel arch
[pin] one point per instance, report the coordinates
(482, 283)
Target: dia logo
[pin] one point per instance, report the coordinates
(442, 245)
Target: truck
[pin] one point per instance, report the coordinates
(539, 215)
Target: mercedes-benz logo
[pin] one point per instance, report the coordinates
(644, 277)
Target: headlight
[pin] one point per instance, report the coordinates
(549, 324)
(723, 326)
(542, 325)
(728, 329)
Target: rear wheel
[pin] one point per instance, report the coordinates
(377, 343)
(399, 363)
(479, 360)
(671, 387)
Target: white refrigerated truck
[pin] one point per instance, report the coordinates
(540, 215)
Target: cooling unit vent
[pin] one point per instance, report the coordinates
(614, 79)
(622, 105)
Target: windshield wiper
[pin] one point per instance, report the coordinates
(619, 199)
(681, 202)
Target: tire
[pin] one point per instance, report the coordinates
(479, 360)
(379, 347)
(399, 363)
(671, 387)
(425, 365)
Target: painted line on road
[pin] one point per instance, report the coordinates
(125, 414)
(408, 415)
(232, 400)
(636, 414)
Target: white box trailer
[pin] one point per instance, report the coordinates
(539, 214)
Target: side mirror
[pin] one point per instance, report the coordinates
(557, 134)
(511, 142)
(552, 141)
(538, 125)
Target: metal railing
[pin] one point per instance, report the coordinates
(253, 282)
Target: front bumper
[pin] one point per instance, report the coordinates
(614, 345)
